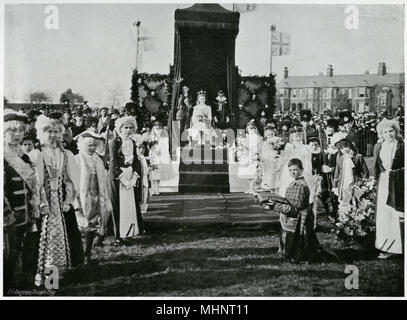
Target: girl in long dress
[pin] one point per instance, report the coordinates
(160, 158)
(93, 202)
(145, 179)
(271, 164)
(201, 120)
(60, 242)
(296, 149)
(248, 156)
(125, 174)
(389, 172)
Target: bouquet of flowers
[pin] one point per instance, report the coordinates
(202, 117)
(356, 220)
(241, 151)
(277, 144)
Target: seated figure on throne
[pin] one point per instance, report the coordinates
(201, 128)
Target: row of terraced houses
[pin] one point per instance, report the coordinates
(358, 92)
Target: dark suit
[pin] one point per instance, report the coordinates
(116, 163)
(184, 112)
(220, 112)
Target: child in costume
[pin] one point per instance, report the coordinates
(92, 203)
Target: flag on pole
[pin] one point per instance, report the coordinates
(146, 42)
(280, 43)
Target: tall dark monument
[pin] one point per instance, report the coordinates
(204, 51)
(204, 58)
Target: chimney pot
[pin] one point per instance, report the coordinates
(330, 70)
(285, 72)
(381, 71)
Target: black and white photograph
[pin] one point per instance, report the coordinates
(203, 150)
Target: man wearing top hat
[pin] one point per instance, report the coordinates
(347, 125)
(309, 130)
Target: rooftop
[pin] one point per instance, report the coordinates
(342, 81)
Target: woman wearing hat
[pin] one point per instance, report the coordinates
(21, 200)
(60, 242)
(389, 172)
(125, 173)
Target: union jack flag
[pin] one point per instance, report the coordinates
(280, 43)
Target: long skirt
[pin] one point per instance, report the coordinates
(117, 203)
(54, 249)
(388, 230)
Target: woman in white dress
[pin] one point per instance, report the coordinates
(201, 120)
(389, 172)
(249, 150)
(296, 149)
(160, 158)
(271, 162)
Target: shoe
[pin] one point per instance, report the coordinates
(386, 255)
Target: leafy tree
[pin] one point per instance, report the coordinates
(341, 102)
(38, 97)
(71, 97)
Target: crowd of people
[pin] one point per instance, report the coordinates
(311, 162)
(70, 179)
(73, 176)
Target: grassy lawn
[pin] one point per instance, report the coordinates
(224, 245)
(199, 262)
(226, 259)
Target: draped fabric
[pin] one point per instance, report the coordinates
(207, 15)
(230, 79)
(204, 56)
(173, 126)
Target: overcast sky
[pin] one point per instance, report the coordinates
(93, 51)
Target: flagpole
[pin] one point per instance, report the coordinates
(138, 42)
(272, 29)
